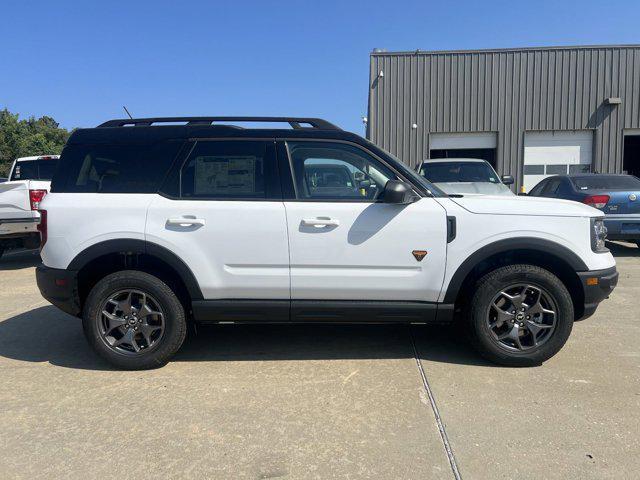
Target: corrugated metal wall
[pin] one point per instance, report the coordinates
(508, 92)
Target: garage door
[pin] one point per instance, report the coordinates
(555, 153)
(464, 145)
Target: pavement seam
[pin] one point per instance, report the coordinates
(434, 406)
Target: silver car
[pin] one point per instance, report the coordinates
(465, 176)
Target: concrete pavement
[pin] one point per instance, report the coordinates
(320, 402)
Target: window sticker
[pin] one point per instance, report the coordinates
(225, 175)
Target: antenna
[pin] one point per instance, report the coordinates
(125, 109)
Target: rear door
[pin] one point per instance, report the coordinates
(226, 220)
(345, 243)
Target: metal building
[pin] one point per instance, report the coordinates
(531, 112)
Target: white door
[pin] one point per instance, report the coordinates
(555, 153)
(228, 222)
(345, 244)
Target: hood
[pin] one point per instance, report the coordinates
(479, 188)
(514, 205)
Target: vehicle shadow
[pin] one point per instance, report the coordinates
(17, 259)
(45, 334)
(623, 249)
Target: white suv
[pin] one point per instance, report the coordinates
(151, 226)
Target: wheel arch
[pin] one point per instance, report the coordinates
(552, 256)
(111, 256)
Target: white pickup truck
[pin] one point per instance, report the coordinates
(29, 181)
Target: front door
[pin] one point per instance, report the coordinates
(345, 243)
(227, 221)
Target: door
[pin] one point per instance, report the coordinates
(227, 220)
(555, 153)
(345, 243)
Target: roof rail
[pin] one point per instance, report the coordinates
(295, 122)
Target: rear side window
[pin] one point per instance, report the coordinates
(114, 168)
(34, 170)
(231, 170)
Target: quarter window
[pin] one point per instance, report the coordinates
(114, 168)
(230, 170)
(336, 171)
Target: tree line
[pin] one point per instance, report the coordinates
(26, 137)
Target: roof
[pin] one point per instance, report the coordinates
(38, 157)
(152, 129)
(443, 160)
(500, 50)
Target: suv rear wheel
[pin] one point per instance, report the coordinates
(134, 320)
(520, 315)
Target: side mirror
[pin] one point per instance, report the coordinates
(508, 180)
(398, 192)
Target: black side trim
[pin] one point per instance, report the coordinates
(133, 247)
(545, 248)
(216, 311)
(451, 229)
(319, 311)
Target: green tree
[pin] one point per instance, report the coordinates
(33, 136)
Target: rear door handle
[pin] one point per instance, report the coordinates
(185, 221)
(320, 222)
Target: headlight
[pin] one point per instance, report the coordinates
(598, 235)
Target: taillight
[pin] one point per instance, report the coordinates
(597, 201)
(42, 228)
(36, 196)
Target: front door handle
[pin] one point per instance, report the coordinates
(320, 222)
(185, 221)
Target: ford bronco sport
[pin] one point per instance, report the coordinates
(152, 224)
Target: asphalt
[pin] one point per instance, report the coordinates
(317, 402)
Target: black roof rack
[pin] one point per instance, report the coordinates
(295, 122)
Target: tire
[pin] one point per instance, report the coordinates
(155, 313)
(505, 288)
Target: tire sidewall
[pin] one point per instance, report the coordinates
(174, 318)
(497, 281)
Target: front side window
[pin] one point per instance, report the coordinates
(456, 172)
(229, 170)
(336, 171)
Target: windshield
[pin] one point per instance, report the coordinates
(34, 170)
(454, 172)
(607, 182)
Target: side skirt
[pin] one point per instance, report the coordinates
(319, 311)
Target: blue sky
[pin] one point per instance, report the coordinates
(81, 61)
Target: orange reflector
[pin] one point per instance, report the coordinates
(592, 281)
(61, 282)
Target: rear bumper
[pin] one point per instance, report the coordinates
(622, 227)
(60, 287)
(15, 227)
(597, 285)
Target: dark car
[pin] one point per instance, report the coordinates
(618, 196)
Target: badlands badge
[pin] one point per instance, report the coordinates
(419, 254)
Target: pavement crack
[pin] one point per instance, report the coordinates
(434, 406)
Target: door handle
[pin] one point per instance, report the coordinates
(320, 222)
(185, 221)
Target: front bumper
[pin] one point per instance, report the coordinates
(60, 287)
(596, 285)
(622, 227)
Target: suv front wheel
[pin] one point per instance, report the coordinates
(520, 315)
(134, 320)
